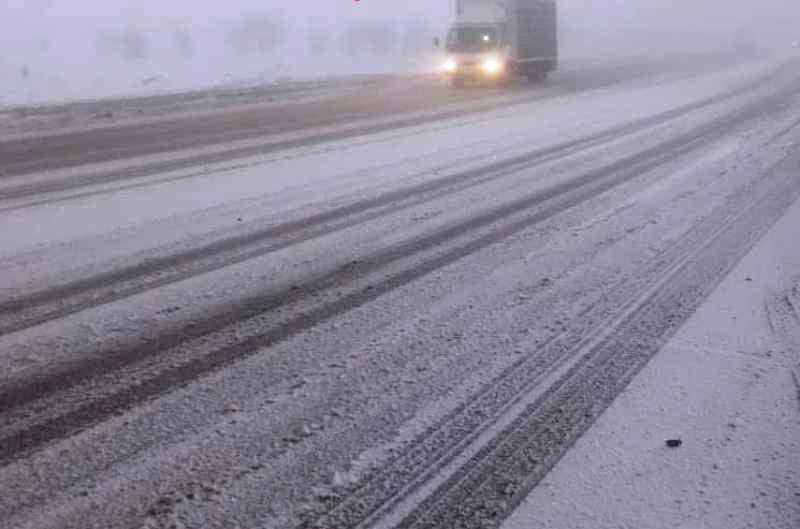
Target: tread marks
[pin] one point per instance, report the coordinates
(118, 284)
(512, 218)
(57, 302)
(481, 492)
(517, 216)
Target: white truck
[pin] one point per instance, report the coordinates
(498, 39)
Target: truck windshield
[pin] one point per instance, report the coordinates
(472, 39)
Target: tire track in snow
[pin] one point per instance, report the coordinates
(174, 134)
(783, 316)
(84, 406)
(474, 467)
(60, 150)
(26, 311)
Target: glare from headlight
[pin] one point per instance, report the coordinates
(450, 66)
(492, 66)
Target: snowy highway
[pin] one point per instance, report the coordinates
(390, 305)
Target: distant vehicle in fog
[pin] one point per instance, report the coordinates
(498, 39)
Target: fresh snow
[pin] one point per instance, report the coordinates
(725, 387)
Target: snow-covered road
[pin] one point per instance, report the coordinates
(395, 309)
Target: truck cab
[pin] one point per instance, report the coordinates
(476, 50)
(496, 39)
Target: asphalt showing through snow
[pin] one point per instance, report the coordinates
(466, 348)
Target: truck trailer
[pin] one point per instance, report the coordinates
(499, 39)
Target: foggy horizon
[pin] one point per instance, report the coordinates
(80, 49)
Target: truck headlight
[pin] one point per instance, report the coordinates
(450, 66)
(492, 66)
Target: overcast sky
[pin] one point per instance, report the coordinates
(198, 12)
(193, 11)
(23, 18)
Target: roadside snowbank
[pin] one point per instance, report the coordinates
(727, 387)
